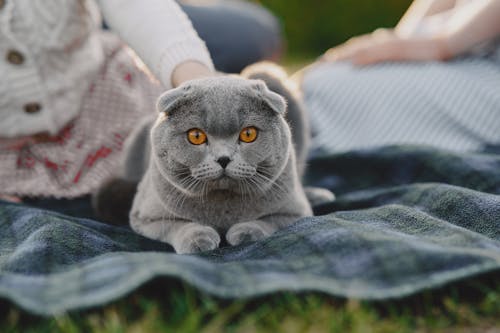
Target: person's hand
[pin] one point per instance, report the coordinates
(189, 70)
(385, 45)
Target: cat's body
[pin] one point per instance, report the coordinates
(220, 162)
(162, 211)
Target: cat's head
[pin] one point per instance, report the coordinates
(222, 133)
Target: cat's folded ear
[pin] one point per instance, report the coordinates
(171, 99)
(275, 101)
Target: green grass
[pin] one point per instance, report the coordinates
(169, 306)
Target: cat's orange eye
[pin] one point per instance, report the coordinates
(196, 136)
(248, 134)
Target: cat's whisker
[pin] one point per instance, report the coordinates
(204, 192)
(248, 188)
(189, 184)
(266, 171)
(241, 188)
(265, 191)
(242, 191)
(181, 173)
(255, 187)
(273, 186)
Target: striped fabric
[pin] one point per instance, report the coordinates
(452, 105)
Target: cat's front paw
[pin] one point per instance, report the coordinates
(246, 232)
(196, 238)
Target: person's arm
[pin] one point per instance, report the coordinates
(467, 26)
(471, 24)
(418, 11)
(162, 36)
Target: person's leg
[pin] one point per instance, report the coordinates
(237, 33)
(454, 105)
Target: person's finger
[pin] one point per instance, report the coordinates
(382, 52)
(346, 50)
(383, 33)
(339, 54)
(330, 54)
(343, 52)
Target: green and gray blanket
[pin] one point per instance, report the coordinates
(405, 219)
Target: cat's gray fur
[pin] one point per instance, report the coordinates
(186, 198)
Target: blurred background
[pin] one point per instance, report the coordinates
(313, 26)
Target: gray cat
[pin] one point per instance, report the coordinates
(219, 161)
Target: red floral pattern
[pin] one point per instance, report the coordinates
(75, 161)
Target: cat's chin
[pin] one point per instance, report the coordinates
(224, 182)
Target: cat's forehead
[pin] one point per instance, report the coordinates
(226, 116)
(229, 81)
(217, 89)
(224, 93)
(222, 105)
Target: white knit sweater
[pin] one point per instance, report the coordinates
(50, 50)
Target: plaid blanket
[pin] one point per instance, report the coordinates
(405, 219)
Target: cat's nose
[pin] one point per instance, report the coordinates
(223, 161)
